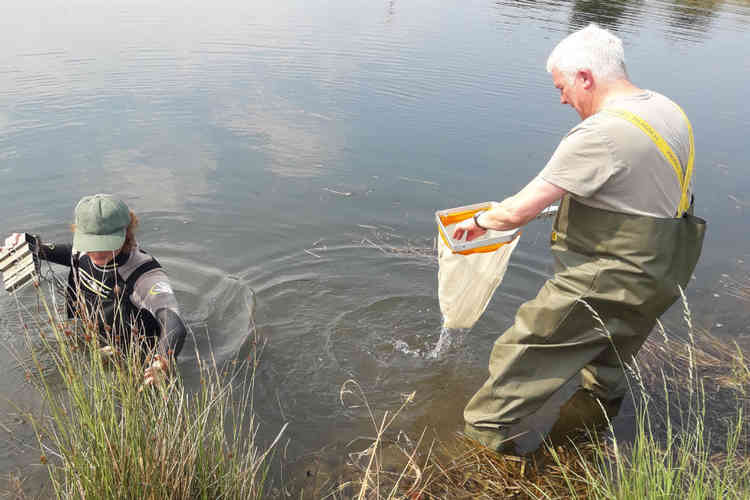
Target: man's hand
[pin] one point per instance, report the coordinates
(157, 371)
(468, 228)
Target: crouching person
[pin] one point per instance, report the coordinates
(115, 285)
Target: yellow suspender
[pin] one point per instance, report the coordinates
(666, 151)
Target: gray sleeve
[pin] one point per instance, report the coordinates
(582, 162)
(154, 293)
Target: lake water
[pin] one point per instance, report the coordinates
(301, 148)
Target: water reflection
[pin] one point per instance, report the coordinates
(740, 8)
(688, 19)
(608, 14)
(693, 14)
(390, 11)
(294, 142)
(146, 175)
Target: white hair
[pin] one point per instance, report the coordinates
(592, 48)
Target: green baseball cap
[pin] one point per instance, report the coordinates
(101, 221)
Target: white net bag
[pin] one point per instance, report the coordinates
(469, 272)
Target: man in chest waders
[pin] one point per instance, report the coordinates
(624, 242)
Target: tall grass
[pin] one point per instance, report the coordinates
(692, 440)
(692, 433)
(104, 435)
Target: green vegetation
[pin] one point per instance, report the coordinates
(692, 441)
(105, 435)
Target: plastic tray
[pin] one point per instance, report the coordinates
(17, 266)
(491, 240)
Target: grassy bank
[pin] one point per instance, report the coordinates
(691, 394)
(103, 434)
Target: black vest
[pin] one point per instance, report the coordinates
(102, 297)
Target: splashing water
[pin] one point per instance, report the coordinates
(449, 338)
(403, 347)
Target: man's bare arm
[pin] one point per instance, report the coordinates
(514, 211)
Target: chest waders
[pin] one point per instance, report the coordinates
(625, 269)
(108, 306)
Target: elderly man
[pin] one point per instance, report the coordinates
(114, 284)
(624, 242)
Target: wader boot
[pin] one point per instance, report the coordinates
(498, 439)
(615, 274)
(583, 413)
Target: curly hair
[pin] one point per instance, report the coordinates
(130, 234)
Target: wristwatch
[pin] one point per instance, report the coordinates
(476, 220)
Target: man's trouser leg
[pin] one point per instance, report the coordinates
(604, 386)
(604, 375)
(554, 336)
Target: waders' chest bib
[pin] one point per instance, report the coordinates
(103, 297)
(632, 260)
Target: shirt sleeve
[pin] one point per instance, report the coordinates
(582, 162)
(59, 254)
(154, 293)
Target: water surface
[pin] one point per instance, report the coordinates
(301, 149)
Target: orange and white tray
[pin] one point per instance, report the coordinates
(448, 218)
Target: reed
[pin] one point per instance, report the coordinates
(104, 435)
